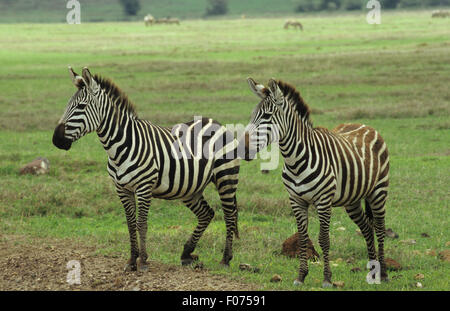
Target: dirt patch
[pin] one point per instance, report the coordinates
(41, 264)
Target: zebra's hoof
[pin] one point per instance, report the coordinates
(327, 284)
(189, 260)
(297, 282)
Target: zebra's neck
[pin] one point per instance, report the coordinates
(297, 142)
(116, 123)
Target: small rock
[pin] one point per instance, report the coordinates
(445, 255)
(341, 229)
(276, 278)
(245, 267)
(391, 264)
(136, 288)
(38, 166)
(391, 234)
(424, 235)
(408, 241)
(430, 252)
(338, 284)
(419, 276)
(291, 249)
(355, 269)
(358, 232)
(118, 282)
(419, 285)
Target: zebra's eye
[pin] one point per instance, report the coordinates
(81, 105)
(266, 116)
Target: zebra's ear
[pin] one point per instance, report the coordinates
(275, 92)
(89, 79)
(257, 88)
(77, 80)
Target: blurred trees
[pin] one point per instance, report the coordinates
(321, 5)
(217, 7)
(130, 7)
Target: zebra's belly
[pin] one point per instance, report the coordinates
(183, 182)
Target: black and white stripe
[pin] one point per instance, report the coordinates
(144, 161)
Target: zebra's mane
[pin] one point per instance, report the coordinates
(116, 94)
(294, 98)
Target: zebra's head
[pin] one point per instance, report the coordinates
(82, 112)
(266, 119)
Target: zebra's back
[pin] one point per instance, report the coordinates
(363, 164)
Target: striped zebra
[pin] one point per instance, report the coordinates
(147, 161)
(323, 168)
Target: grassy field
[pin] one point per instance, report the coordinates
(393, 77)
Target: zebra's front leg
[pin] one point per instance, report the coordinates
(144, 199)
(204, 214)
(129, 204)
(301, 216)
(324, 212)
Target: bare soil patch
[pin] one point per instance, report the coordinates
(41, 264)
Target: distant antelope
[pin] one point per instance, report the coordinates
(440, 13)
(166, 20)
(149, 20)
(294, 24)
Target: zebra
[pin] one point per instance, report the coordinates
(323, 168)
(148, 161)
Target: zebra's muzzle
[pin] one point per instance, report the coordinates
(59, 140)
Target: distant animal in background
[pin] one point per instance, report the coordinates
(149, 20)
(167, 20)
(440, 13)
(292, 23)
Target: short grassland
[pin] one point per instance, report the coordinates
(393, 77)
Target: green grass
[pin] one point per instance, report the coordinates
(393, 77)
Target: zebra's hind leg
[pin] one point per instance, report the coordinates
(129, 204)
(301, 216)
(229, 206)
(205, 214)
(362, 220)
(376, 203)
(226, 181)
